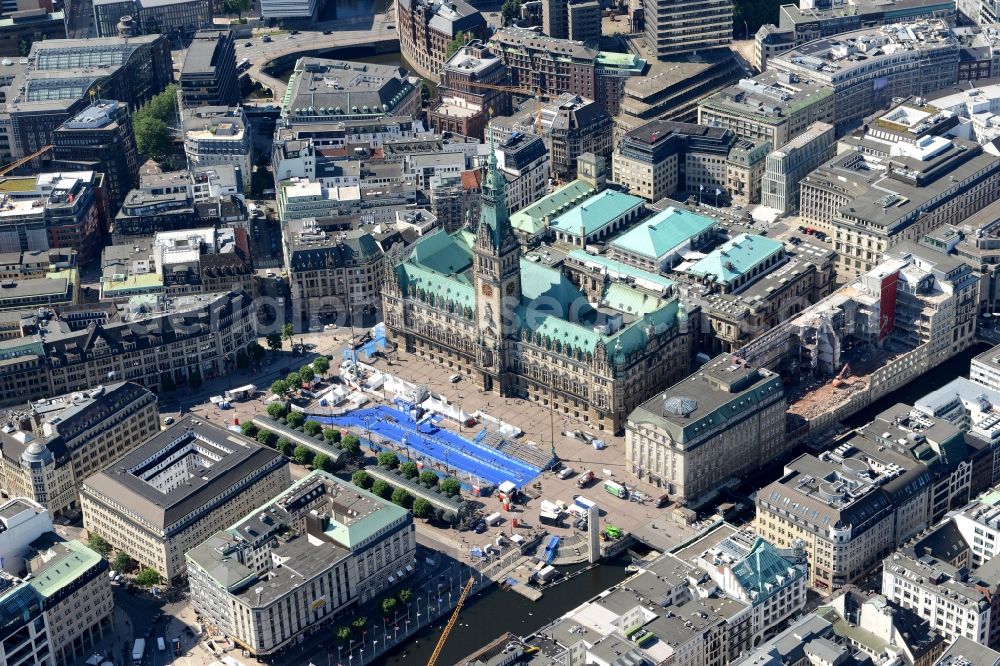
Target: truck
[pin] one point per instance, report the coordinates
(614, 488)
(241, 392)
(138, 651)
(584, 479)
(494, 519)
(583, 503)
(549, 518)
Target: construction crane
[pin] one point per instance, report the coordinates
(13, 165)
(527, 92)
(451, 621)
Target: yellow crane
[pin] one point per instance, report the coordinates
(13, 165)
(516, 90)
(451, 621)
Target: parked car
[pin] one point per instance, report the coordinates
(455, 378)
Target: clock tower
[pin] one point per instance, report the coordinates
(497, 272)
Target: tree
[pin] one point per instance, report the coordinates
(312, 427)
(409, 469)
(351, 445)
(286, 331)
(256, 352)
(194, 381)
(167, 382)
(294, 380)
(362, 479)
(382, 489)
(152, 136)
(248, 429)
(422, 508)
(123, 563)
(242, 360)
(359, 624)
(275, 410)
(24, 45)
(162, 106)
(274, 341)
(429, 478)
(405, 595)
(147, 577)
(295, 419)
(321, 365)
(510, 10)
(331, 435)
(265, 437)
(451, 486)
(286, 446)
(343, 634)
(388, 459)
(388, 606)
(307, 373)
(303, 455)
(323, 462)
(280, 387)
(99, 544)
(455, 44)
(402, 498)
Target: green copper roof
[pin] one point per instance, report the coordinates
(538, 281)
(72, 560)
(596, 212)
(625, 299)
(532, 219)
(617, 269)
(442, 253)
(621, 61)
(735, 257)
(663, 232)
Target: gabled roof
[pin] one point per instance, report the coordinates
(596, 212)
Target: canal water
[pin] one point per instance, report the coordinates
(496, 611)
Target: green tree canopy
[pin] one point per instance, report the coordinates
(147, 577)
(409, 469)
(275, 410)
(388, 459)
(248, 429)
(359, 623)
(287, 331)
(123, 563)
(382, 489)
(343, 634)
(422, 508)
(429, 478)
(402, 498)
(510, 10)
(321, 365)
(274, 341)
(455, 44)
(295, 419)
(351, 445)
(307, 373)
(331, 435)
(303, 455)
(265, 437)
(280, 387)
(451, 486)
(294, 380)
(286, 446)
(312, 427)
(323, 462)
(362, 479)
(99, 544)
(152, 137)
(237, 7)
(405, 595)
(388, 606)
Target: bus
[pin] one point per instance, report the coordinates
(616, 489)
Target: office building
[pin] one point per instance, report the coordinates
(985, 369)
(578, 21)
(291, 10)
(426, 27)
(208, 74)
(662, 158)
(769, 107)
(313, 551)
(100, 139)
(61, 73)
(469, 281)
(682, 27)
(175, 18)
(463, 107)
(809, 21)
(323, 91)
(570, 126)
(58, 442)
(899, 60)
(21, 28)
(965, 652)
(555, 66)
(524, 163)
(745, 169)
(792, 162)
(720, 423)
(219, 135)
(177, 489)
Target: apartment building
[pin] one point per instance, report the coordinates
(525, 164)
(337, 545)
(177, 489)
(208, 73)
(717, 424)
(985, 369)
(463, 106)
(792, 162)
(219, 135)
(56, 443)
(915, 58)
(773, 107)
(745, 167)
